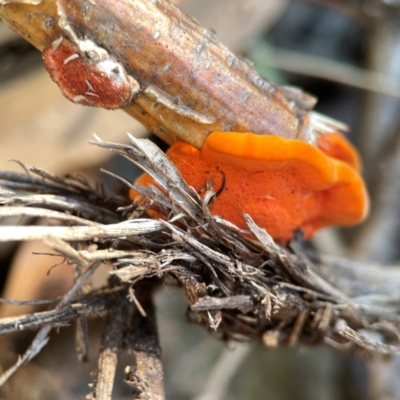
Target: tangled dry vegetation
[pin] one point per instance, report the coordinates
(242, 288)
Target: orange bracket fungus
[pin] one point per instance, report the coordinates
(282, 184)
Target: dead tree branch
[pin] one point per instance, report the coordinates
(196, 85)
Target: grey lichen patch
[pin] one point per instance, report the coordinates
(87, 8)
(229, 61)
(156, 35)
(211, 35)
(56, 43)
(177, 106)
(260, 82)
(70, 58)
(49, 22)
(199, 48)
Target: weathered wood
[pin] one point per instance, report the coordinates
(146, 375)
(190, 84)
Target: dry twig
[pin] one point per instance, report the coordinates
(239, 288)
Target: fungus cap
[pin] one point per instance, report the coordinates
(282, 184)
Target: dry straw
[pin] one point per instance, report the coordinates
(239, 288)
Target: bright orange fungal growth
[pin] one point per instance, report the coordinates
(336, 146)
(283, 184)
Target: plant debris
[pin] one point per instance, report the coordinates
(240, 285)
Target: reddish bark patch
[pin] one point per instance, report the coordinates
(86, 81)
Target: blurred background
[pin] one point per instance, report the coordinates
(345, 52)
